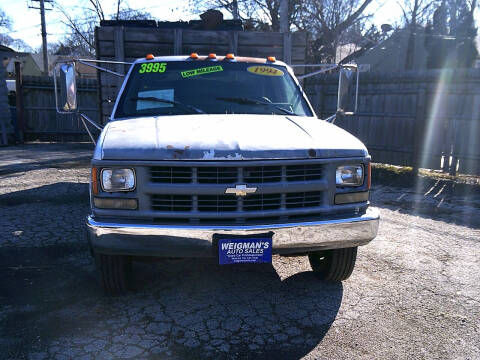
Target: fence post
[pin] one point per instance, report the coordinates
(5, 115)
(19, 124)
(447, 145)
(233, 42)
(418, 131)
(99, 80)
(177, 42)
(319, 91)
(118, 42)
(287, 48)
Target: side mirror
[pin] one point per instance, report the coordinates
(67, 103)
(347, 89)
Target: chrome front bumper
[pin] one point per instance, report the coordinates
(197, 241)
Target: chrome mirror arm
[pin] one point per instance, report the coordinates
(84, 118)
(331, 118)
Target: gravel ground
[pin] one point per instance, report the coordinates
(414, 294)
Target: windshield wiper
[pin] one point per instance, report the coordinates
(173, 102)
(248, 101)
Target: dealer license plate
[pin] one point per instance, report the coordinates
(244, 250)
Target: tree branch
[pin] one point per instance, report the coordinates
(350, 20)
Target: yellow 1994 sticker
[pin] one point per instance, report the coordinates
(265, 70)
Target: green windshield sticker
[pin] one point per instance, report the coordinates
(152, 67)
(201, 71)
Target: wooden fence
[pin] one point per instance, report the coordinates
(425, 119)
(37, 118)
(120, 43)
(429, 119)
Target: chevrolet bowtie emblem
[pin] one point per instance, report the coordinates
(241, 190)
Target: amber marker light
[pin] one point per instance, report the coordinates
(194, 56)
(230, 56)
(271, 58)
(212, 56)
(94, 181)
(149, 57)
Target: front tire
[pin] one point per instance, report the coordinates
(114, 273)
(333, 265)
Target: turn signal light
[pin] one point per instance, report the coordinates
(271, 58)
(94, 181)
(212, 56)
(350, 198)
(115, 203)
(149, 57)
(230, 56)
(194, 56)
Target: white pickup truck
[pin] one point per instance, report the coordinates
(224, 157)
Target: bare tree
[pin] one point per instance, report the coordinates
(329, 22)
(416, 14)
(6, 39)
(5, 21)
(80, 35)
(325, 20)
(256, 14)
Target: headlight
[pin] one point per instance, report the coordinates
(349, 175)
(118, 180)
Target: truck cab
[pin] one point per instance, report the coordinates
(224, 157)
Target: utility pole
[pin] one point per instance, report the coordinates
(235, 9)
(284, 16)
(44, 32)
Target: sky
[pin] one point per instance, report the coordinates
(26, 21)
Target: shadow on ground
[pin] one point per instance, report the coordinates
(186, 309)
(36, 156)
(57, 193)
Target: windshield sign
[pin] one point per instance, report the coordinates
(198, 87)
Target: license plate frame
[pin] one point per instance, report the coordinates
(251, 249)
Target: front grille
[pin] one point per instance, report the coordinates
(217, 175)
(303, 200)
(217, 203)
(306, 172)
(171, 203)
(171, 174)
(232, 175)
(262, 202)
(262, 174)
(283, 191)
(232, 203)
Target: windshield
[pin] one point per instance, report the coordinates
(195, 87)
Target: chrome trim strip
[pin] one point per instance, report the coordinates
(219, 189)
(363, 159)
(176, 240)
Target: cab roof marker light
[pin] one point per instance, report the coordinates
(271, 59)
(212, 56)
(230, 56)
(149, 57)
(193, 56)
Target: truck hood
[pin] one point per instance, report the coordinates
(225, 137)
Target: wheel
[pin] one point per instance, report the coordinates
(114, 272)
(333, 265)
